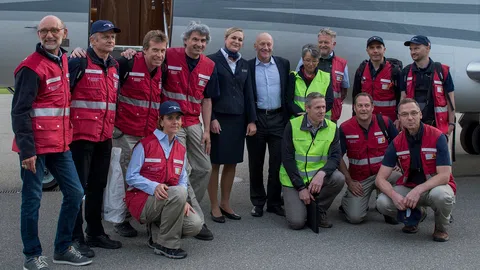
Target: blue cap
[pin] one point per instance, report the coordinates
(375, 39)
(410, 217)
(421, 40)
(169, 107)
(103, 26)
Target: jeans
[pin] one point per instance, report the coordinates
(62, 168)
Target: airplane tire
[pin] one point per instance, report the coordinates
(49, 181)
(466, 138)
(476, 139)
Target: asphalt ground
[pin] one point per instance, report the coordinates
(266, 242)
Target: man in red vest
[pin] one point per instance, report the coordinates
(41, 124)
(430, 84)
(336, 66)
(191, 80)
(94, 96)
(379, 77)
(364, 138)
(158, 182)
(427, 180)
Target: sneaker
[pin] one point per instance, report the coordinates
(152, 244)
(36, 263)
(390, 220)
(71, 257)
(103, 241)
(204, 234)
(170, 253)
(125, 229)
(323, 220)
(84, 249)
(440, 236)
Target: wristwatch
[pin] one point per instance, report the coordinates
(451, 124)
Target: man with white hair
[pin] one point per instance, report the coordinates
(191, 80)
(336, 66)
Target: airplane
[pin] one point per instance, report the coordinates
(452, 27)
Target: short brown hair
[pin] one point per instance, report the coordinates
(156, 36)
(232, 30)
(406, 101)
(362, 94)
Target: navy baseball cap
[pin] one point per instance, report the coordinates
(375, 39)
(169, 107)
(410, 217)
(421, 40)
(103, 26)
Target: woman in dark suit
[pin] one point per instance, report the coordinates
(233, 117)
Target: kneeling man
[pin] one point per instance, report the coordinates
(157, 180)
(427, 180)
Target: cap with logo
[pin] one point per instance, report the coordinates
(375, 39)
(421, 40)
(169, 107)
(410, 217)
(103, 26)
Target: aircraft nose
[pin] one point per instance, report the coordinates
(473, 70)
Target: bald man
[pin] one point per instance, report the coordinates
(270, 75)
(41, 124)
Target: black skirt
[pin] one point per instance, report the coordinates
(228, 146)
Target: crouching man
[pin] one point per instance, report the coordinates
(157, 185)
(427, 180)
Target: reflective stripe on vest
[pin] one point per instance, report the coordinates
(441, 109)
(365, 161)
(99, 105)
(385, 103)
(310, 154)
(139, 103)
(39, 112)
(337, 94)
(179, 96)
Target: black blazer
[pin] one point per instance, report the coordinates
(236, 94)
(283, 66)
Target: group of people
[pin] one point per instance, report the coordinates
(68, 113)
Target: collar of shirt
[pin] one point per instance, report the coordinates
(313, 129)
(258, 62)
(417, 137)
(56, 57)
(228, 59)
(429, 68)
(330, 56)
(162, 137)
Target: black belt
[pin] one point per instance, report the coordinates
(267, 112)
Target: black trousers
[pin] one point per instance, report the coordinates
(270, 129)
(92, 160)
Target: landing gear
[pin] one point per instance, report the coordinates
(470, 135)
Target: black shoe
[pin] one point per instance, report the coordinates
(230, 216)
(390, 220)
(257, 211)
(341, 210)
(83, 248)
(276, 210)
(204, 234)
(152, 244)
(103, 241)
(220, 219)
(170, 253)
(125, 229)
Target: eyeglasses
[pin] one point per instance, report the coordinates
(54, 31)
(406, 114)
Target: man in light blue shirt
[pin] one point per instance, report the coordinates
(269, 82)
(157, 186)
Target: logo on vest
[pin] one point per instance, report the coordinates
(178, 170)
(430, 156)
(381, 140)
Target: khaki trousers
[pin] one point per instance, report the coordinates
(356, 207)
(199, 162)
(167, 220)
(295, 209)
(440, 199)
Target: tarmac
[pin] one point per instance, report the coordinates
(266, 242)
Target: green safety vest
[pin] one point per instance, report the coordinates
(310, 153)
(319, 84)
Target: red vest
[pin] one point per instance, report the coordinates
(338, 70)
(50, 113)
(381, 90)
(139, 100)
(93, 103)
(428, 155)
(365, 155)
(157, 168)
(439, 100)
(186, 87)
